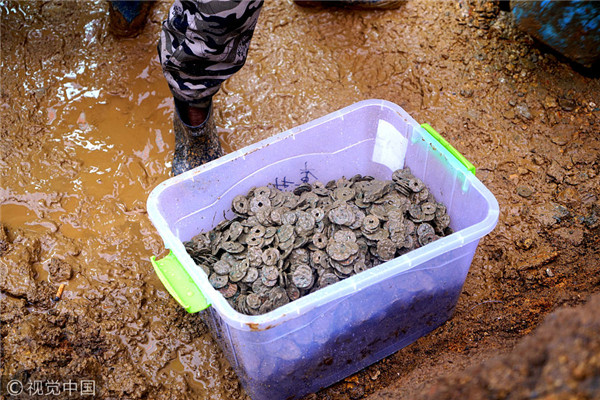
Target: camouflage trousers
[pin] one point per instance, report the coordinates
(204, 42)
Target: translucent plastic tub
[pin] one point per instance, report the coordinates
(326, 336)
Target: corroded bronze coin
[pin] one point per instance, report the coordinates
(285, 232)
(253, 301)
(259, 203)
(238, 271)
(222, 267)
(303, 276)
(270, 256)
(340, 251)
(327, 279)
(218, 281)
(319, 240)
(254, 256)
(370, 223)
(342, 215)
(251, 275)
(270, 273)
(386, 249)
(240, 205)
(229, 291)
(344, 235)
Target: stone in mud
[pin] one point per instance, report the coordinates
(16, 272)
(567, 104)
(509, 114)
(556, 172)
(571, 236)
(4, 240)
(59, 270)
(550, 102)
(524, 191)
(550, 214)
(523, 111)
(356, 392)
(524, 243)
(562, 134)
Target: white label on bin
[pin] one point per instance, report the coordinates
(390, 146)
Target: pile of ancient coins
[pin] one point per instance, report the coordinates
(284, 245)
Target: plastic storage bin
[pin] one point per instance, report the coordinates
(326, 336)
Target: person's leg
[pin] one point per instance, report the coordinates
(202, 43)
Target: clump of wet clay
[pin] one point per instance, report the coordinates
(59, 270)
(284, 245)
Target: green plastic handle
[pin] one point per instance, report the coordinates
(179, 283)
(449, 147)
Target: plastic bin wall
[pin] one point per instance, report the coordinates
(326, 336)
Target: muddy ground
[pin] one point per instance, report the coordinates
(86, 135)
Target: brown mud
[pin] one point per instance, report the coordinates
(559, 360)
(86, 135)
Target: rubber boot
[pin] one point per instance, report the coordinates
(127, 18)
(194, 145)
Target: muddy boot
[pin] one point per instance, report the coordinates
(127, 18)
(194, 145)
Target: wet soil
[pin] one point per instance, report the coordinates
(558, 361)
(86, 134)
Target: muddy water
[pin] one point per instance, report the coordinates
(86, 135)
